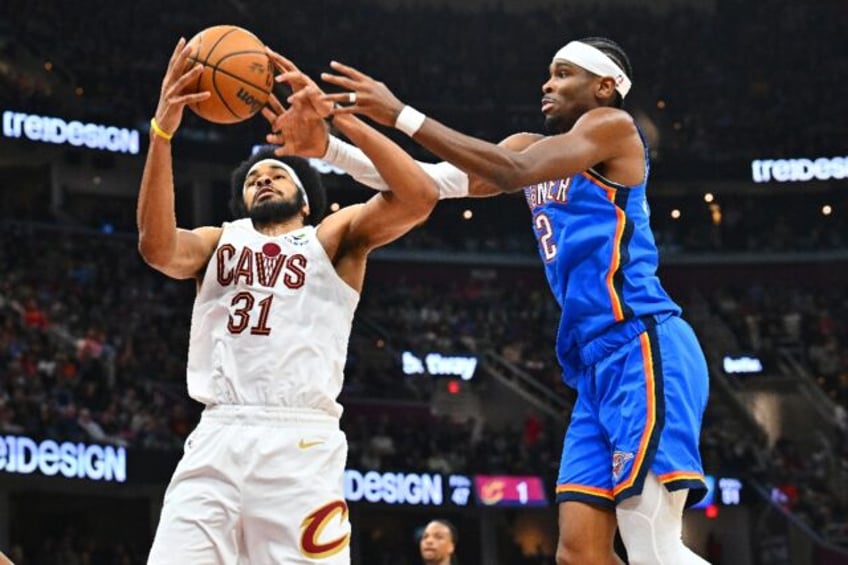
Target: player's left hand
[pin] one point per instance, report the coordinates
(364, 95)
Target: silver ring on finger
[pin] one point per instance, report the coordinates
(351, 98)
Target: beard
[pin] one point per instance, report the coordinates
(556, 124)
(278, 211)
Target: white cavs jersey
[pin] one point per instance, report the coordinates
(271, 322)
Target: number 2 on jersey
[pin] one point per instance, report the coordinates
(545, 232)
(240, 317)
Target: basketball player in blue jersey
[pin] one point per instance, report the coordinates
(630, 456)
(261, 479)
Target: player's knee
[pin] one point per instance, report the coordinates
(651, 526)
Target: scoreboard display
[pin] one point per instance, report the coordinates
(508, 490)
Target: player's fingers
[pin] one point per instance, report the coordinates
(275, 138)
(295, 79)
(303, 96)
(181, 45)
(281, 62)
(348, 70)
(269, 115)
(178, 66)
(283, 151)
(296, 98)
(343, 99)
(193, 98)
(276, 105)
(188, 76)
(179, 85)
(337, 80)
(352, 109)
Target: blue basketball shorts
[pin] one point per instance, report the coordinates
(642, 391)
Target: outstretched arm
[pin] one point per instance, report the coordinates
(598, 136)
(175, 252)
(307, 135)
(387, 215)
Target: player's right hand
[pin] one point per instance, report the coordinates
(364, 95)
(299, 129)
(172, 96)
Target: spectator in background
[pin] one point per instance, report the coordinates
(438, 543)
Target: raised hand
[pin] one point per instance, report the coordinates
(364, 95)
(172, 96)
(299, 129)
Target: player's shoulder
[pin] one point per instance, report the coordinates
(210, 234)
(606, 117)
(521, 140)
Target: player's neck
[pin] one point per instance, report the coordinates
(272, 229)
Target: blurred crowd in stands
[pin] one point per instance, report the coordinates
(720, 83)
(773, 223)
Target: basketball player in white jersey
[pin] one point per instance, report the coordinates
(261, 477)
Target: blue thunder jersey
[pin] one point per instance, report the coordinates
(600, 257)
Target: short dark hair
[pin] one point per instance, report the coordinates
(449, 525)
(306, 173)
(614, 51)
(454, 533)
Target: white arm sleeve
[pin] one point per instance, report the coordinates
(452, 182)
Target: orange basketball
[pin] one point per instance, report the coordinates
(236, 70)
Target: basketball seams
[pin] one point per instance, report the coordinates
(221, 97)
(240, 78)
(234, 81)
(217, 43)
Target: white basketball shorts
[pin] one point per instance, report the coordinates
(260, 485)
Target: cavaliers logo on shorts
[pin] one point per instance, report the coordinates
(311, 543)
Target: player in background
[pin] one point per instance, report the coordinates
(261, 477)
(438, 543)
(630, 455)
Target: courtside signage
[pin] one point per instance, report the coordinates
(741, 365)
(461, 366)
(25, 456)
(49, 129)
(411, 489)
(799, 170)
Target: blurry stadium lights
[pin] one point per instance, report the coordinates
(79, 91)
(334, 207)
(708, 197)
(661, 104)
(675, 214)
(826, 210)
(715, 214)
(48, 66)
(467, 215)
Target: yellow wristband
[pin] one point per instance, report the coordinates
(159, 131)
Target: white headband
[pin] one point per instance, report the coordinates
(595, 61)
(292, 175)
